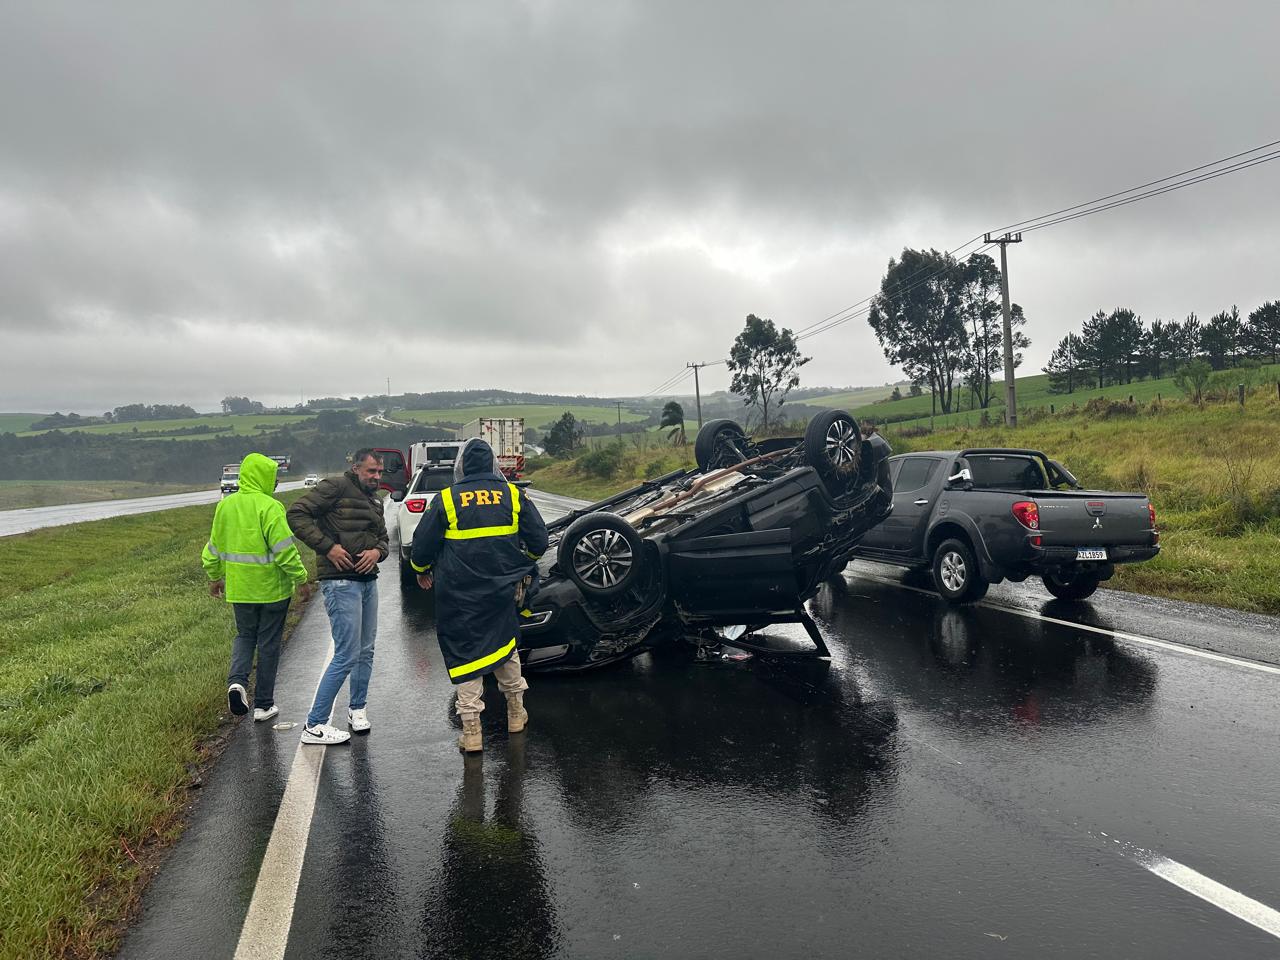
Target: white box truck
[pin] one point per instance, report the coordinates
(506, 436)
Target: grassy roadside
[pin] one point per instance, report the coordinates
(115, 662)
(1213, 474)
(20, 494)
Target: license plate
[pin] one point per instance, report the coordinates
(1090, 553)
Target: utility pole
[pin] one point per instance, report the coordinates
(618, 404)
(1010, 391)
(697, 389)
(388, 396)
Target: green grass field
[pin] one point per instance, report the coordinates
(536, 415)
(861, 397)
(244, 424)
(115, 662)
(1213, 475)
(18, 422)
(20, 494)
(1032, 392)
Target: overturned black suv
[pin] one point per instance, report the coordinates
(743, 540)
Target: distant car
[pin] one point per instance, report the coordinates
(310, 480)
(742, 541)
(424, 486)
(230, 481)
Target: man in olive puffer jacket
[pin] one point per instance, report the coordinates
(341, 520)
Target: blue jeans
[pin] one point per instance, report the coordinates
(352, 606)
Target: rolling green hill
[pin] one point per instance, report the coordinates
(536, 415)
(17, 422)
(243, 424)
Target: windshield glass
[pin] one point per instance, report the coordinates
(430, 481)
(996, 472)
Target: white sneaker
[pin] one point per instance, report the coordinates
(358, 721)
(324, 734)
(238, 699)
(261, 713)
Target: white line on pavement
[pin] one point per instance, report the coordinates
(1104, 631)
(1222, 897)
(265, 933)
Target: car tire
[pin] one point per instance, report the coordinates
(956, 574)
(602, 554)
(1078, 586)
(719, 444)
(408, 579)
(833, 445)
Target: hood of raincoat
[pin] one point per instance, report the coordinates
(476, 456)
(258, 474)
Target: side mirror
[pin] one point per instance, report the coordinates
(397, 495)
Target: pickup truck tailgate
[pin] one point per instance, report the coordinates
(1071, 519)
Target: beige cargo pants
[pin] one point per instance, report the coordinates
(471, 692)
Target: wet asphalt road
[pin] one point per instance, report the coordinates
(960, 783)
(35, 518)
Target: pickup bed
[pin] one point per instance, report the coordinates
(980, 516)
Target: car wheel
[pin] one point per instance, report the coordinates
(601, 553)
(1075, 586)
(719, 444)
(833, 445)
(956, 574)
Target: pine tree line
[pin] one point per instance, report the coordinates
(1118, 347)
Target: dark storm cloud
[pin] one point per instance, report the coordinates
(580, 197)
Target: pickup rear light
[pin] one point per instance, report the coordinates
(1155, 531)
(415, 506)
(1027, 513)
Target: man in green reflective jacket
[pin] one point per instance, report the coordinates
(251, 560)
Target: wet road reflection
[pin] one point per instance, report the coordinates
(949, 784)
(491, 896)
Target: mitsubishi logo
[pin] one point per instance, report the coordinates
(1097, 523)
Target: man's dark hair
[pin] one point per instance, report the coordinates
(363, 454)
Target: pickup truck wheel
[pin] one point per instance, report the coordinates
(601, 553)
(1073, 586)
(719, 444)
(956, 574)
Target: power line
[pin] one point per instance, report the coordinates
(1235, 168)
(1141, 186)
(1063, 215)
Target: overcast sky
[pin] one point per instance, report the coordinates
(285, 199)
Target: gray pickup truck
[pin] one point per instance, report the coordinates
(976, 517)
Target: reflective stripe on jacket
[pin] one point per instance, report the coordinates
(250, 545)
(478, 539)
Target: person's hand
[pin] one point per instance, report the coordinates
(367, 560)
(425, 581)
(304, 592)
(339, 557)
(217, 589)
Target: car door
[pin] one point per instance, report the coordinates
(900, 533)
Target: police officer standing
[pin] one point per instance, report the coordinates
(476, 545)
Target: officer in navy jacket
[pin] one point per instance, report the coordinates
(476, 545)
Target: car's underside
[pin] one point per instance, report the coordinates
(743, 540)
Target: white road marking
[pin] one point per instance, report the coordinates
(1103, 631)
(1211, 891)
(265, 933)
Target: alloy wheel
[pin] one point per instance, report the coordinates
(843, 444)
(602, 558)
(954, 573)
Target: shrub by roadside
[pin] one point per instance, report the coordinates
(115, 663)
